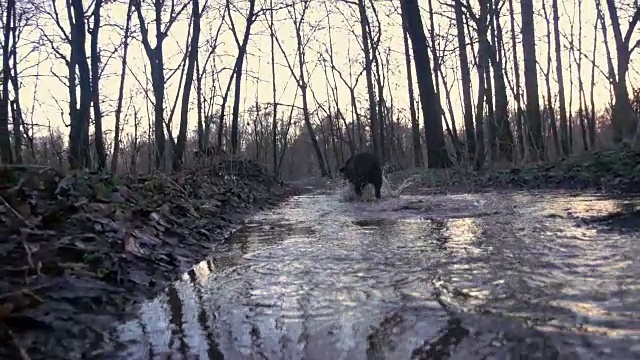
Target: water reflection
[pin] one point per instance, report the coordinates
(422, 277)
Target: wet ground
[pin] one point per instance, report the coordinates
(483, 276)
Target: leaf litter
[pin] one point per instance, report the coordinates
(80, 249)
(613, 171)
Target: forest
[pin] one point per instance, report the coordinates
(141, 85)
(137, 136)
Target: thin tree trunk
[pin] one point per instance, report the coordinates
(581, 96)
(415, 126)
(624, 119)
(274, 110)
(592, 119)
(123, 72)
(518, 92)
(95, 85)
(547, 77)
(242, 50)
(5, 141)
(531, 79)
(564, 131)
(373, 111)
(466, 82)
(504, 134)
(188, 84)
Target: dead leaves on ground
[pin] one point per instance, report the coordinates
(614, 170)
(83, 244)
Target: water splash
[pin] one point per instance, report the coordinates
(348, 193)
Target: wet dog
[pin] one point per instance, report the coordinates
(362, 169)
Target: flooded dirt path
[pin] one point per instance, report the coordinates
(486, 276)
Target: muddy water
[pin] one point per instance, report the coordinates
(490, 276)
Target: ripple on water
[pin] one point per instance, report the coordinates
(322, 279)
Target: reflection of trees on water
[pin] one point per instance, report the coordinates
(438, 233)
(175, 318)
(203, 319)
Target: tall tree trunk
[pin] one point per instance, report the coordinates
(480, 103)
(436, 152)
(624, 120)
(547, 77)
(155, 56)
(242, 51)
(592, 118)
(188, 84)
(581, 96)
(202, 144)
(518, 96)
(80, 125)
(16, 108)
(95, 85)
(531, 79)
(373, 111)
(415, 126)
(5, 141)
(274, 109)
(564, 130)
(466, 82)
(123, 72)
(504, 134)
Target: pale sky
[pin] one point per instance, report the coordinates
(51, 94)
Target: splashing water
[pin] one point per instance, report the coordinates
(348, 193)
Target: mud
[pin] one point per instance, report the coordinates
(79, 249)
(509, 275)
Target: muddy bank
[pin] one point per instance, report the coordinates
(611, 171)
(77, 251)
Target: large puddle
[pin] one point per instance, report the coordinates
(488, 276)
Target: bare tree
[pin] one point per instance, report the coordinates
(550, 111)
(5, 141)
(156, 61)
(582, 104)
(564, 130)
(23, 17)
(368, 66)
(123, 71)
(94, 32)
(623, 124)
(274, 107)
(436, 152)
(503, 129)
(79, 132)
(415, 126)
(531, 79)
(242, 50)
(466, 82)
(301, 79)
(188, 84)
(517, 90)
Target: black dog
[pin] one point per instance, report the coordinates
(362, 169)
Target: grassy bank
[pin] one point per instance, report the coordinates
(612, 171)
(80, 250)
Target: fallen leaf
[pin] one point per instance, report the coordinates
(130, 245)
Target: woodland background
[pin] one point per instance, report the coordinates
(143, 85)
